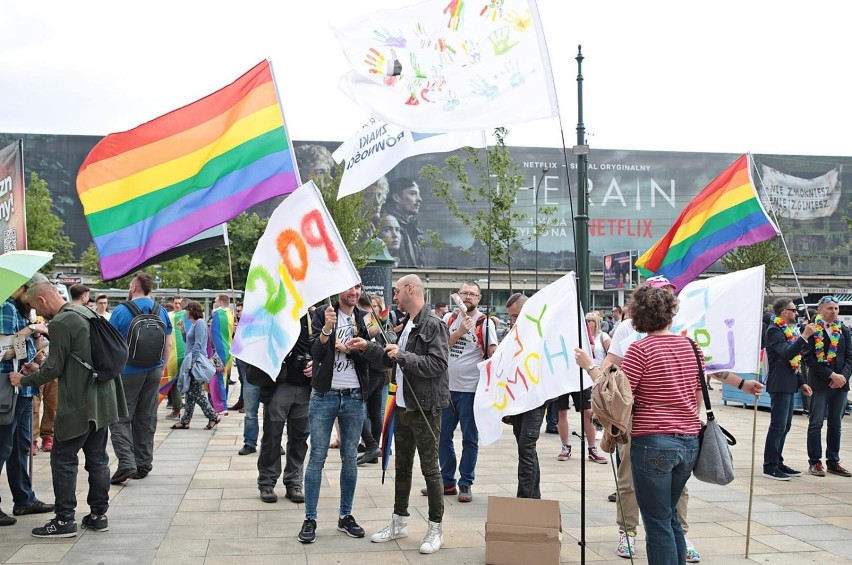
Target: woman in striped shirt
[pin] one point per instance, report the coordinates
(663, 373)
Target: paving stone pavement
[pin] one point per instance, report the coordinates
(200, 505)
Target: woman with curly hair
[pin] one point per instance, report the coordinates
(663, 373)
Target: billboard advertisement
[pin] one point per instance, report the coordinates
(13, 219)
(618, 270)
(634, 197)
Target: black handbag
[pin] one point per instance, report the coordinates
(715, 462)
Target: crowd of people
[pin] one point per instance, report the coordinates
(335, 380)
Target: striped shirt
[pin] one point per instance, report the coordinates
(664, 377)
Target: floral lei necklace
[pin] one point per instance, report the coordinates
(833, 332)
(792, 334)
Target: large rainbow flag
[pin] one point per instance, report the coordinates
(725, 215)
(151, 188)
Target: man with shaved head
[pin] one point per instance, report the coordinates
(419, 359)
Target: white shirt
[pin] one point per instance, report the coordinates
(403, 341)
(599, 351)
(623, 336)
(466, 353)
(344, 375)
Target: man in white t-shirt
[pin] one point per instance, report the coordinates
(469, 342)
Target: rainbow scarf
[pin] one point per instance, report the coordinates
(726, 214)
(149, 189)
(791, 333)
(833, 332)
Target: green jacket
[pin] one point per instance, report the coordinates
(80, 400)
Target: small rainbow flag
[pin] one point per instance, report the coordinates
(725, 215)
(148, 189)
(178, 343)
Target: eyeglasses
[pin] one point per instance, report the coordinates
(469, 294)
(790, 309)
(398, 290)
(827, 299)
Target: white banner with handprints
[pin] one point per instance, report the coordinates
(802, 199)
(535, 360)
(724, 315)
(299, 260)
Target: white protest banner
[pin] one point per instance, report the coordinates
(724, 315)
(299, 260)
(802, 199)
(379, 146)
(535, 361)
(442, 66)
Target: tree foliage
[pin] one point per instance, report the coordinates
(44, 227)
(180, 272)
(244, 231)
(492, 192)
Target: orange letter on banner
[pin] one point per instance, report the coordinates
(285, 239)
(314, 232)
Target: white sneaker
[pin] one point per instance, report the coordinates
(692, 555)
(398, 528)
(434, 538)
(626, 542)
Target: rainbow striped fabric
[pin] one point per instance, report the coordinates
(151, 188)
(725, 215)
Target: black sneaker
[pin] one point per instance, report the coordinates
(56, 528)
(369, 456)
(38, 507)
(789, 470)
(267, 494)
(613, 497)
(776, 475)
(141, 473)
(350, 527)
(96, 523)
(837, 469)
(122, 475)
(246, 450)
(308, 534)
(6, 520)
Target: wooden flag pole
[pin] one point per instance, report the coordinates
(751, 479)
(230, 265)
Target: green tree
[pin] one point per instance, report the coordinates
(180, 272)
(492, 193)
(769, 253)
(352, 220)
(90, 262)
(244, 231)
(44, 227)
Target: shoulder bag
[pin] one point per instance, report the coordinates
(715, 463)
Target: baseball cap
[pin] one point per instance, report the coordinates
(660, 281)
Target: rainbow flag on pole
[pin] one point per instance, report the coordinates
(725, 215)
(151, 188)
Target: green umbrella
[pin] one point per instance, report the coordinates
(17, 267)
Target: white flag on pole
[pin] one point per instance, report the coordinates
(442, 66)
(535, 361)
(299, 260)
(724, 315)
(379, 146)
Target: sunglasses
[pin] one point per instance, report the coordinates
(827, 299)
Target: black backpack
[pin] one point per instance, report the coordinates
(109, 349)
(146, 337)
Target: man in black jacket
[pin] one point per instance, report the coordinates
(285, 402)
(829, 360)
(784, 348)
(420, 357)
(339, 381)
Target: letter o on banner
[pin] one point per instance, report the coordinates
(291, 238)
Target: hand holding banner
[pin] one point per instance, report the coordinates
(299, 260)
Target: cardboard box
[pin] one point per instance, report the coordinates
(520, 531)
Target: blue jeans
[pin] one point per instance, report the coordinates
(15, 445)
(780, 420)
(251, 400)
(460, 411)
(661, 466)
(831, 401)
(347, 406)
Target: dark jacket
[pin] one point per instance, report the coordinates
(819, 373)
(324, 354)
(81, 400)
(423, 363)
(779, 352)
